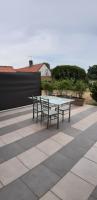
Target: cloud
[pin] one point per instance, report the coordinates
(58, 32)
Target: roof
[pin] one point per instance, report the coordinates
(33, 68)
(7, 69)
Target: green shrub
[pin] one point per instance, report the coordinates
(79, 87)
(93, 90)
(63, 85)
(55, 85)
(68, 72)
(92, 72)
(47, 86)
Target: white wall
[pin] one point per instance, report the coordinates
(45, 71)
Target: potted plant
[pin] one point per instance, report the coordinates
(50, 88)
(64, 86)
(47, 87)
(79, 88)
(93, 90)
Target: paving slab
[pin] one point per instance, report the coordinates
(94, 193)
(86, 122)
(73, 151)
(11, 137)
(49, 146)
(17, 191)
(1, 185)
(32, 157)
(18, 134)
(59, 164)
(92, 198)
(16, 126)
(91, 133)
(72, 131)
(62, 138)
(80, 114)
(87, 170)
(12, 115)
(72, 187)
(34, 139)
(15, 120)
(96, 144)
(1, 143)
(32, 129)
(83, 141)
(40, 180)
(11, 170)
(15, 110)
(49, 196)
(9, 151)
(92, 154)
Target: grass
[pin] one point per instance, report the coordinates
(88, 99)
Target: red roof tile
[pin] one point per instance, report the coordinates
(33, 68)
(7, 69)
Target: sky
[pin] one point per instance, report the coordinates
(55, 31)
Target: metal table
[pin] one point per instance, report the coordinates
(57, 101)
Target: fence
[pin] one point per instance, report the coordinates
(15, 88)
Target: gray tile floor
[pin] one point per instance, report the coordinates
(53, 164)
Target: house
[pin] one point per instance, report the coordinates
(5, 69)
(43, 68)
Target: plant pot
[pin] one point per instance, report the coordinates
(79, 101)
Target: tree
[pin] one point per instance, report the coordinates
(47, 64)
(92, 72)
(68, 72)
(93, 89)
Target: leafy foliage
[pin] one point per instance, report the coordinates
(80, 87)
(93, 89)
(65, 85)
(92, 72)
(47, 86)
(62, 85)
(68, 72)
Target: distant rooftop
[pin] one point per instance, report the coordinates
(33, 68)
(7, 69)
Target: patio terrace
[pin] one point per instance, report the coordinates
(53, 164)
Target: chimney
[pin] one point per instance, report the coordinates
(30, 63)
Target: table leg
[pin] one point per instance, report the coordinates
(58, 119)
(69, 112)
(62, 115)
(33, 110)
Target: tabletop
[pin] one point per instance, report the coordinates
(57, 100)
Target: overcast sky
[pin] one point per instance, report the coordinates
(53, 31)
